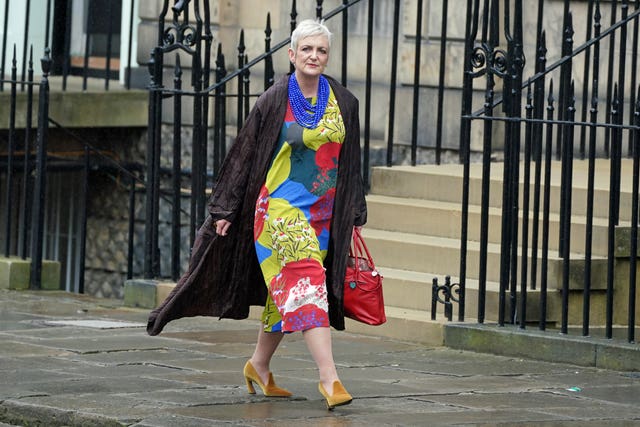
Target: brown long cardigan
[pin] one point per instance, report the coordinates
(224, 278)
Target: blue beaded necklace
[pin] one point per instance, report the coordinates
(308, 115)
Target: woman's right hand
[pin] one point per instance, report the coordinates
(222, 227)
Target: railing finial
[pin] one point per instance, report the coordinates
(45, 62)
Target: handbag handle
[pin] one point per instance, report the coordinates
(358, 249)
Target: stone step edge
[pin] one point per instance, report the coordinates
(550, 346)
(418, 278)
(476, 209)
(449, 243)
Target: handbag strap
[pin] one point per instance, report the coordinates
(358, 249)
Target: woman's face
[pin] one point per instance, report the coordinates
(311, 56)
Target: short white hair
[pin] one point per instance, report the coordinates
(309, 28)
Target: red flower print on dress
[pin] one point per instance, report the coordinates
(327, 156)
(321, 211)
(262, 206)
(299, 291)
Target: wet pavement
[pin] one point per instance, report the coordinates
(72, 360)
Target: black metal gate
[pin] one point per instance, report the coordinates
(564, 123)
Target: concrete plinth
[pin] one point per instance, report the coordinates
(15, 273)
(146, 293)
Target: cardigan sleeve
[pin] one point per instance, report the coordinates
(231, 185)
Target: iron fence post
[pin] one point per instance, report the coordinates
(392, 82)
(471, 31)
(546, 208)
(152, 166)
(37, 226)
(10, 152)
(586, 300)
(83, 223)
(416, 84)
(176, 172)
(27, 181)
(612, 220)
(634, 226)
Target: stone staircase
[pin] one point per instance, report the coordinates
(413, 233)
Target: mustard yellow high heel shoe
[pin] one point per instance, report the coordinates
(339, 397)
(270, 389)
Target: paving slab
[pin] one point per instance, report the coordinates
(68, 360)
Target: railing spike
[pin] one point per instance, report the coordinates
(220, 65)
(543, 44)
(569, 32)
(241, 45)
(267, 28)
(293, 15)
(597, 17)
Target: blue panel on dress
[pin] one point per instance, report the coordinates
(323, 239)
(296, 194)
(262, 252)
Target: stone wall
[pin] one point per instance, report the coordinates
(108, 216)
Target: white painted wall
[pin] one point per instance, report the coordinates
(124, 38)
(37, 28)
(15, 33)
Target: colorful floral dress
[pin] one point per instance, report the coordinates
(293, 220)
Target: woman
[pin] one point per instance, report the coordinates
(282, 214)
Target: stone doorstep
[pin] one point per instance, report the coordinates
(146, 293)
(543, 345)
(15, 273)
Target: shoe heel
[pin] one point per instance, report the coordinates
(250, 386)
(270, 389)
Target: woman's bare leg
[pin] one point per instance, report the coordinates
(265, 347)
(319, 344)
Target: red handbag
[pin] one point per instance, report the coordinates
(363, 299)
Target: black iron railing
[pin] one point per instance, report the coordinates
(24, 201)
(486, 58)
(526, 118)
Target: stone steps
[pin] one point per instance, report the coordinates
(441, 255)
(444, 183)
(443, 219)
(413, 233)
